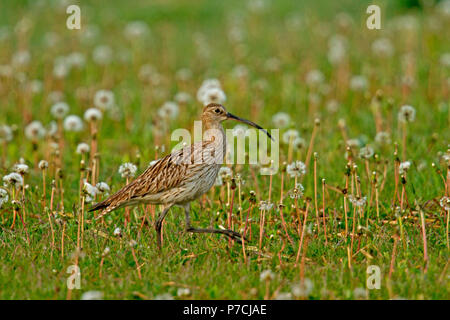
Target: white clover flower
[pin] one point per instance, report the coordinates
(169, 110)
(358, 83)
(314, 78)
(265, 205)
(357, 201)
(290, 135)
(296, 169)
(183, 97)
(21, 168)
(103, 187)
(83, 148)
(383, 138)
(406, 114)
(136, 29)
(183, 292)
(6, 134)
(13, 179)
(43, 165)
(59, 110)
(102, 55)
(445, 203)
(404, 167)
(93, 114)
(35, 130)
(281, 120)
(92, 295)
(266, 275)
(4, 197)
(127, 170)
(73, 123)
(303, 290)
(383, 47)
(366, 152)
(104, 99)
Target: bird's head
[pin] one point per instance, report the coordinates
(215, 112)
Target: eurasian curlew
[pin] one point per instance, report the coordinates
(182, 176)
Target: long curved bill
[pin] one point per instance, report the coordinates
(250, 123)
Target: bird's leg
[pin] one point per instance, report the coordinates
(230, 233)
(158, 224)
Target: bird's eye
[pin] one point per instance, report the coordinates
(217, 110)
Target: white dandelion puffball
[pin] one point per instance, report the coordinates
(213, 95)
(136, 29)
(35, 130)
(169, 110)
(290, 135)
(267, 275)
(407, 114)
(225, 172)
(117, 232)
(102, 55)
(303, 289)
(404, 167)
(21, 168)
(281, 120)
(103, 187)
(265, 205)
(296, 169)
(358, 83)
(299, 143)
(239, 130)
(6, 134)
(83, 148)
(90, 191)
(104, 99)
(13, 180)
(444, 202)
(59, 110)
(92, 295)
(366, 152)
(383, 138)
(314, 78)
(383, 47)
(127, 170)
(76, 60)
(207, 84)
(73, 123)
(182, 97)
(93, 114)
(43, 164)
(4, 197)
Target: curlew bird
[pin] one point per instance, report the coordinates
(182, 176)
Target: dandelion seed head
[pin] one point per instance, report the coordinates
(183, 292)
(103, 187)
(43, 164)
(59, 110)
(290, 135)
(407, 114)
(127, 170)
(404, 167)
(281, 120)
(303, 289)
(93, 114)
(4, 197)
(83, 148)
(366, 152)
(104, 100)
(13, 179)
(383, 138)
(6, 134)
(21, 168)
(266, 275)
(92, 295)
(35, 130)
(296, 169)
(169, 110)
(73, 123)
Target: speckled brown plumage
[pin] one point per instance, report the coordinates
(182, 176)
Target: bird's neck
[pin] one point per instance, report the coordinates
(213, 131)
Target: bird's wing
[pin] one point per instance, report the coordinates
(168, 172)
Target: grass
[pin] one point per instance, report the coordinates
(196, 35)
